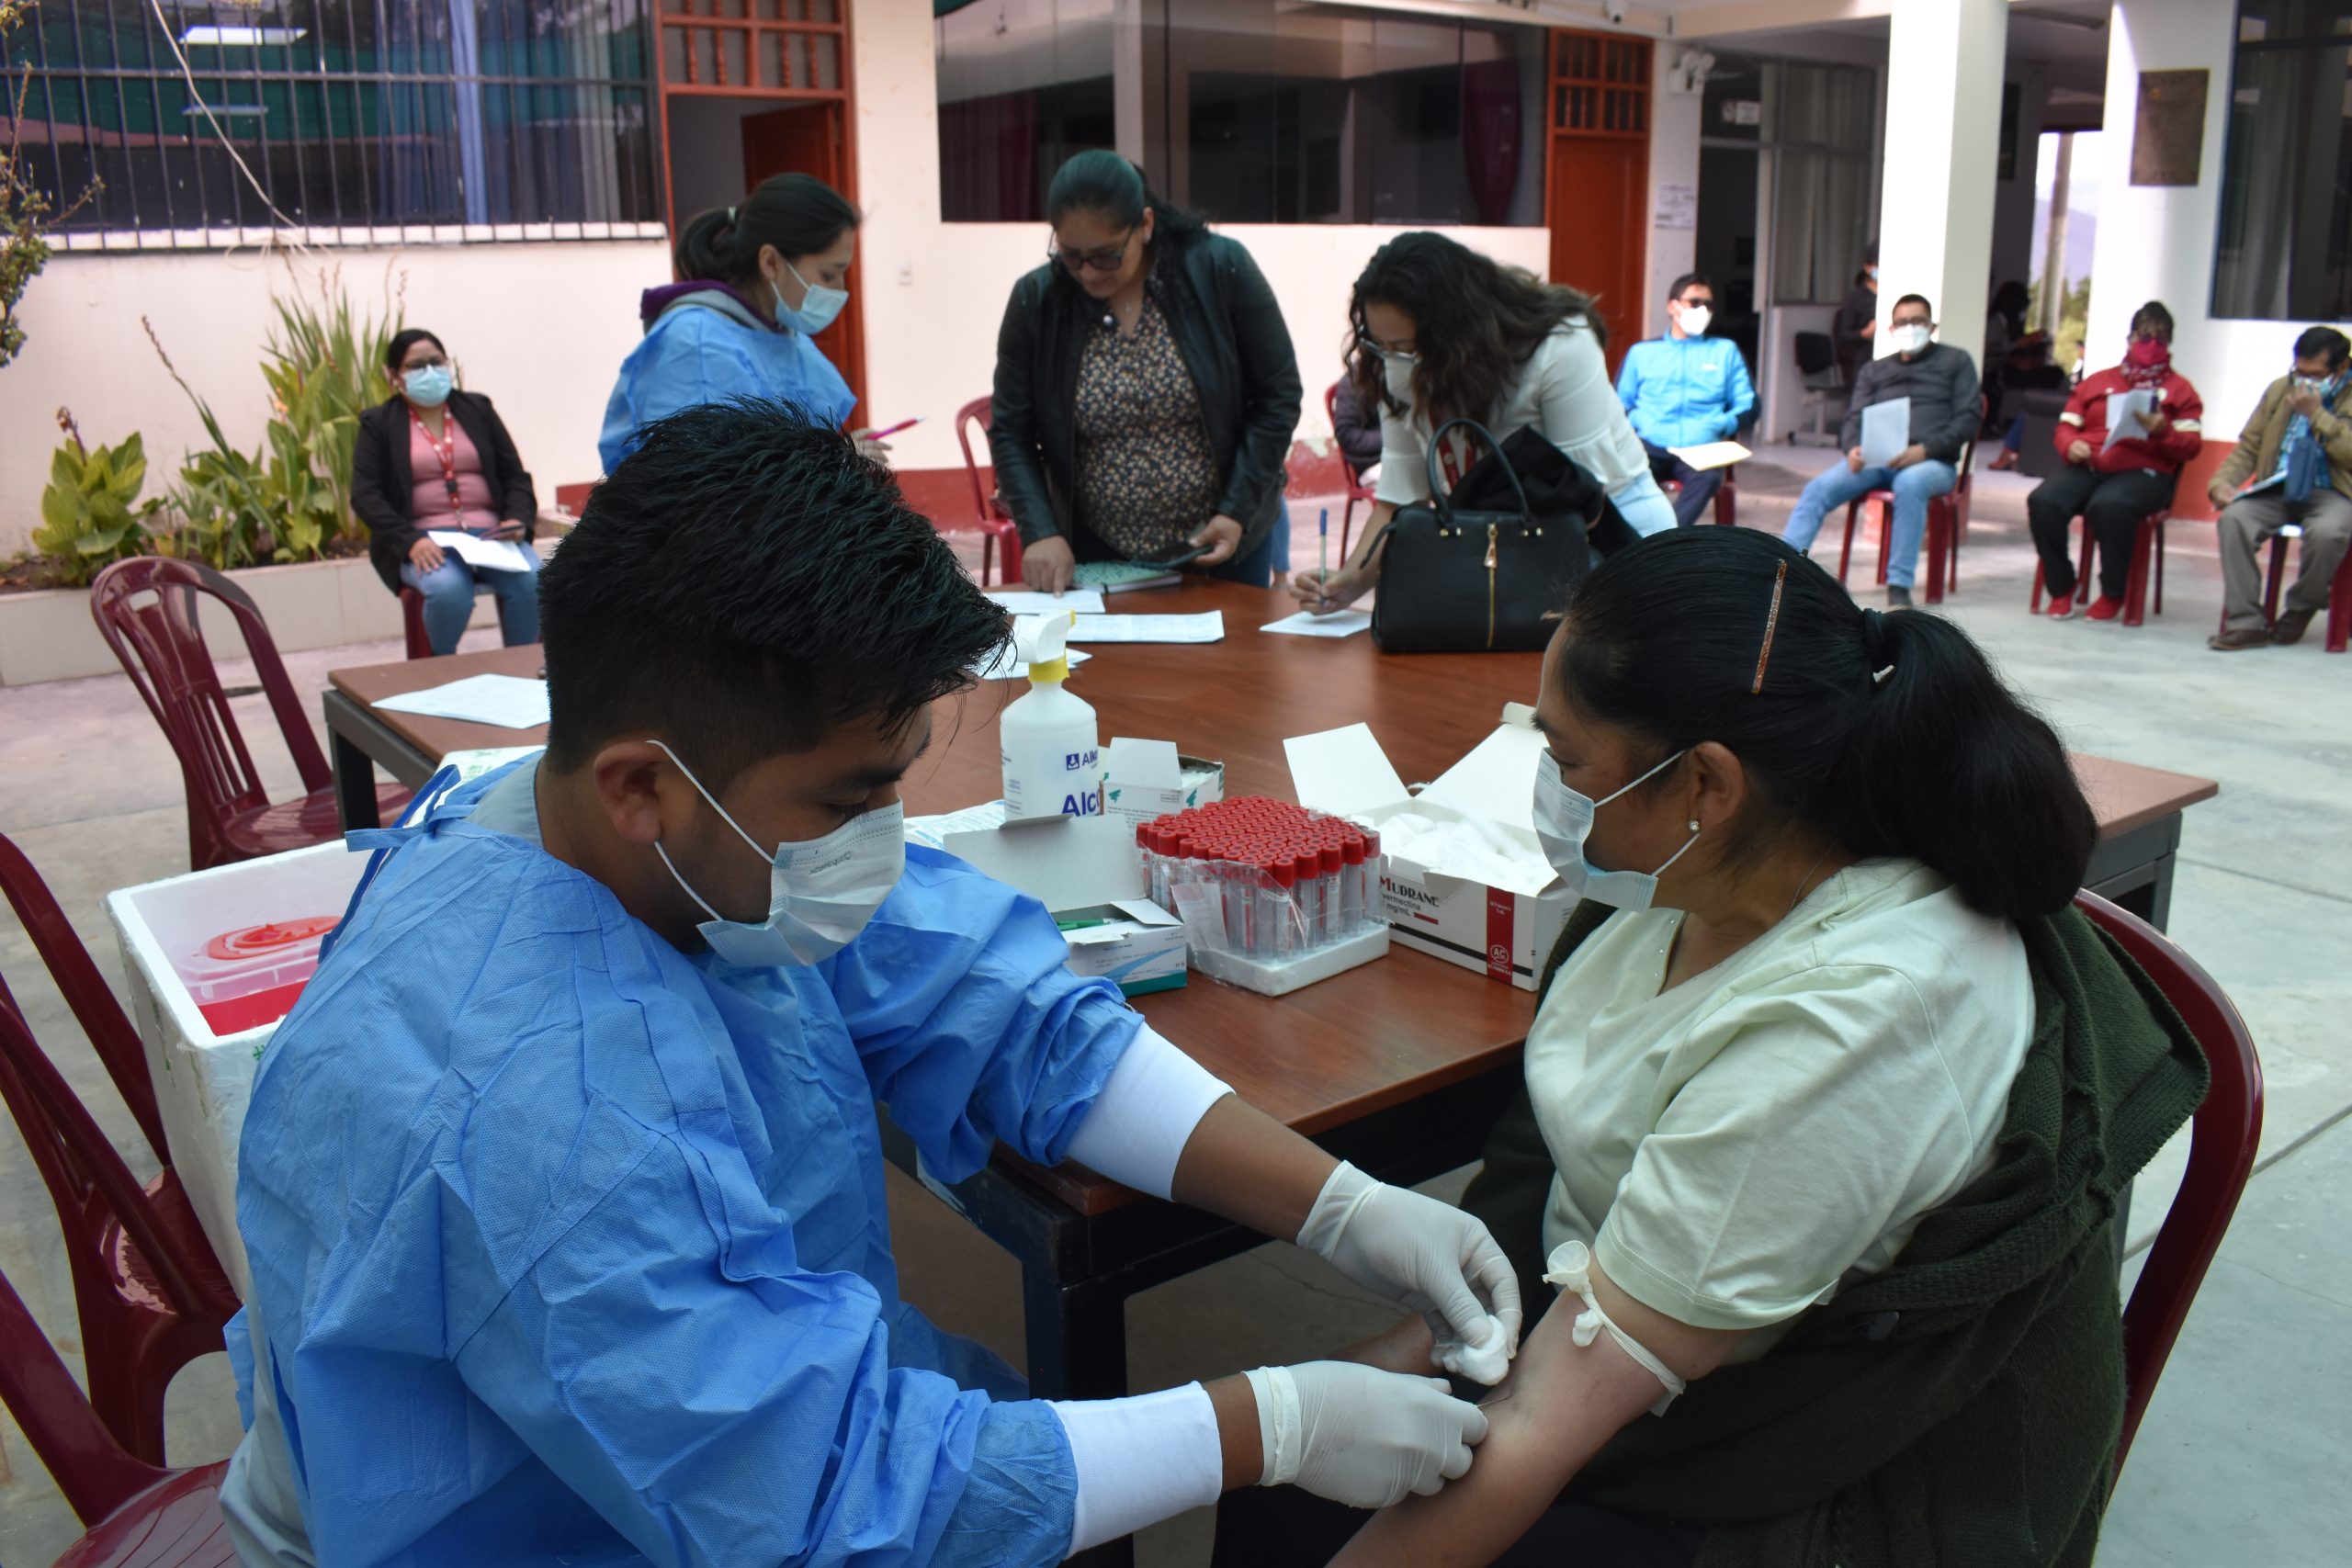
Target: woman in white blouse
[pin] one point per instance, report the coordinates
(1441, 332)
(1830, 1097)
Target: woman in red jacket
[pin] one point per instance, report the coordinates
(2112, 481)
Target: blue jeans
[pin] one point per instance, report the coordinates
(449, 593)
(1914, 486)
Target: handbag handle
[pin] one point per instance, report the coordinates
(1438, 497)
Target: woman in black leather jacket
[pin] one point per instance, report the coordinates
(1146, 391)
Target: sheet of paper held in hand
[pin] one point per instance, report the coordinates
(498, 554)
(1712, 455)
(2127, 413)
(1306, 623)
(1207, 626)
(510, 702)
(1027, 602)
(1886, 431)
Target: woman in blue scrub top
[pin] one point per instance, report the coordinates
(761, 279)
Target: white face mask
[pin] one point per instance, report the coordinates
(818, 306)
(1696, 319)
(1563, 817)
(1397, 369)
(821, 891)
(1912, 339)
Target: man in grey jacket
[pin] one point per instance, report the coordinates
(1940, 381)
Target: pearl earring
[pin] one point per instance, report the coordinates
(1694, 824)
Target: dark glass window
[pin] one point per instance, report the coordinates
(2284, 247)
(345, 113)
(1248, 111)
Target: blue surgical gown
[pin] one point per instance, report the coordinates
(695, 354)
(569, 1248)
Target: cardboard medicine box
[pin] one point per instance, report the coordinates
(1500, 913)
(1084, 870)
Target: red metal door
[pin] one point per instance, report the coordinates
(1597, 191)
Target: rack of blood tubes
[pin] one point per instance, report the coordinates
(1288, 881)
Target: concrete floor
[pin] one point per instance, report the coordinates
(2244, 1451)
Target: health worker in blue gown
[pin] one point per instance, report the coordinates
(761, 280)
(561, 1188)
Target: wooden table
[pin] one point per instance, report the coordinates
(1401, 1066)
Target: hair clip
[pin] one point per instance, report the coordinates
(1878, 677)
(731, 217)
(1771, 624)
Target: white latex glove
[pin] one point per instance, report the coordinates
(1415, 1250)
(1360, 1435)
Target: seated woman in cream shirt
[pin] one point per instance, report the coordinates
(1846, 854)
(1442, 331)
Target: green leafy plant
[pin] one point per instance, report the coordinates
(25, 215)
(91, 514)
(322, 369)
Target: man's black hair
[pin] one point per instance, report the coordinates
(2323, 343)
(1686, 280)
(1918, 300)
(742, 583)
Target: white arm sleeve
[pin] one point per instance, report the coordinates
(1146, 1113)
(1140, 1461)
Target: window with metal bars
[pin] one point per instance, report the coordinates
(343, 120)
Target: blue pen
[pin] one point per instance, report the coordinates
(1323, 547)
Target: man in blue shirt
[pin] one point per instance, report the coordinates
(1685, 389)
(562, 1185)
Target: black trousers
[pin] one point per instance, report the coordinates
(1699, 485)
(1257, 1528)
(2110, 506)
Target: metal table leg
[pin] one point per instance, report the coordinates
(355, 782)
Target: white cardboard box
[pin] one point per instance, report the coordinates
(203, 1080)
(1084, 869)
(1503, 923)
(1146, 779)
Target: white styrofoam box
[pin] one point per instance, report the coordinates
(1280, 976)
(1502, 920)
(203, 1080)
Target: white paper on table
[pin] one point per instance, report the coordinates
(1028, 602)
(1006, 665)
(2131, 405)
(1306, 623)
(1886, 431)
(1207, 626)
(510, 702)
(929, 831)
(498, 554)
(1712, 455)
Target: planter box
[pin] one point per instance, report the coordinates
(49, 635)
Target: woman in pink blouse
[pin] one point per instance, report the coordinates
(430, 460)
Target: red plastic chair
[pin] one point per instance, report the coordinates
(85, 991)
(2339, 590)
(1947, 524)
(137, 1513)
(151, 1294)
(145, 608)
(2147, 544)
(1357, 489)
(2222, 1140)
(988, 515)
(420, 646)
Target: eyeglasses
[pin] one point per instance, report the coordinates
(1372, 344)
(435, 363)
(1103, 258)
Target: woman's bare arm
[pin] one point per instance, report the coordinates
(1560, 1404)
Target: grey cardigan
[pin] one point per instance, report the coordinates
(1941, 385)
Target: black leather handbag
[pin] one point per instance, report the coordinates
(1484, 568)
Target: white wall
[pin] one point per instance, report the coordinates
(1674, 160)
(2157, 241)
(935, 292)
(539, 328)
